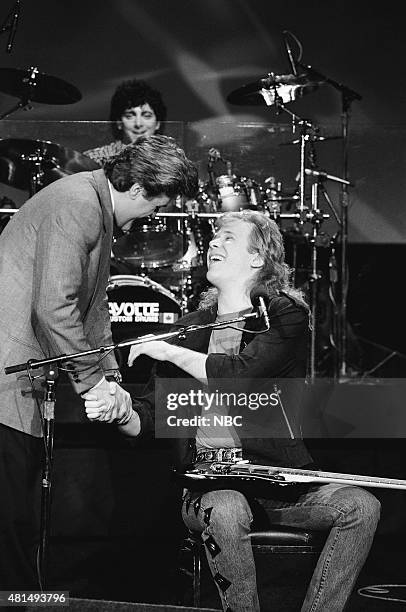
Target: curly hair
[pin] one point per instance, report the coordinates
(266, 240)
(157, 164)
(134, 93)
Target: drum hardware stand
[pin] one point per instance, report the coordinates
(316, 217)
(305, 127)
(25, 100)
(8, 211)
(36, 171)
(317, 188)
(10, 25)
(347, 97)
(315, 241)
(307, 217)
(23, 103)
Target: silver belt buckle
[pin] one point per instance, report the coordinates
(220, 455)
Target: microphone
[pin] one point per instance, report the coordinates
(325, 176)
(13, 26)
(288, 48)
(260, 299)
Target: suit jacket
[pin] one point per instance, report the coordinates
(54, 267)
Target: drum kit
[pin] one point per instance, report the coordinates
(32, 164)
(158, 267)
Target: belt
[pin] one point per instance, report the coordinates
(219, 454)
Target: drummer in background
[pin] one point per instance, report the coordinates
(136, 109)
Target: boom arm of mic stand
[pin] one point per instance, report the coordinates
(34, 363)
(346, 91)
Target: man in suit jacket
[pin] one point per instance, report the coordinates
(54, 267)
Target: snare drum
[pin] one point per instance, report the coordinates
(138, 306)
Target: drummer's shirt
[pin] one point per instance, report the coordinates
(227, 341)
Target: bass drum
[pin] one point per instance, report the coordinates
(138, 306)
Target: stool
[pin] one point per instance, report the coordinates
(283, 540)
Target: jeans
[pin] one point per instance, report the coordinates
(224, 517)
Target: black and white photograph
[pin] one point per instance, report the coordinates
(202, 339)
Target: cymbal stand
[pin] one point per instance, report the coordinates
(36, 172)
(347, 97)
(317, 189)
(10, 25)
(313, 279)
(25, 100)
(23, 103)
(305, 127)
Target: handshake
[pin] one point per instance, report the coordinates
(110, 403)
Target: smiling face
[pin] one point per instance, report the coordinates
(230, 264)
(138, 121)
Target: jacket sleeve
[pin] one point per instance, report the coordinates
(66, 265)
(271, 353)
(100, 333)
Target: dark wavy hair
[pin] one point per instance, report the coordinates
(157, 164)
(134, 93)
(266, 240)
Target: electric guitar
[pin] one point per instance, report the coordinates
(243, 471)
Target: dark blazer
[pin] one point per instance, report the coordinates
(54, 267)
(276, 356)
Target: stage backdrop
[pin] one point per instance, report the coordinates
(198, 52)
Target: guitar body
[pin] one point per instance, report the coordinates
(212, 477)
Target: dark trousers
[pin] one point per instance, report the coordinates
(20, 471)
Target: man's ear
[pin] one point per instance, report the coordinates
(258, 261)
(134, 190)
(119, 125)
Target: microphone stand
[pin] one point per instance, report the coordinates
(10, 25)
(51, 375)
(180, 333)
(348, 96)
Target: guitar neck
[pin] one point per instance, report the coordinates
(299, 475)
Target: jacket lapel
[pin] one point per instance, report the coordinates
(103, 193)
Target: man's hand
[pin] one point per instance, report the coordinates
(121, 413)
(103, 400)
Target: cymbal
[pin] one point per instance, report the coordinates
(20, 158)
(288, 88)
(310, 139)
(30, 84)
